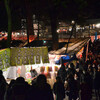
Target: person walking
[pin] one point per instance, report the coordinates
(59, 89)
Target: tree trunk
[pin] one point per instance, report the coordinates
(9, 23)
(54, 33)
(72, 31)
(29, 19)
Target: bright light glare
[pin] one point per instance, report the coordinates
(18, 33)
(58, 30)
(98, 25)
(73, 21)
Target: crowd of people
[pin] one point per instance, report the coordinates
(78, 81)
(82, 80)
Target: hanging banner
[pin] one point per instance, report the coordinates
(32, 51)
(25, 56)
(38, 54)
(4, 58)
(45, 58)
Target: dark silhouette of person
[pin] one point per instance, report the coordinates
(19, 89)
(3, 85)
(9, 90)
(34, 74)
(86, 88)
(62, 73)
(73, 88)
(40, 90)
(2, 77)
(59, 89)
(97, 83)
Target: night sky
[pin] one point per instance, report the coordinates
(91, 10)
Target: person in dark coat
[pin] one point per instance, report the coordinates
(86, 88)
(73, 88)
(19, 89)
(59, 89)
(97, 83)
(3, 85)
(40, 90)
(62, 73)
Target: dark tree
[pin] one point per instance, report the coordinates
(9, 22)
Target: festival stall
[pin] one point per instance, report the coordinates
(17, 62)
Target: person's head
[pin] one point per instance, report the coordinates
(11, 82)
(93, 65)
(89, 69)
(1, 72)
(69, 66)
(99, 68)
(72, 65)
(75, 76)
(77, 70)
(77, 61)
(62, 65)
(86, 78)
(41, 79)
(34, 70)
(58, 79)
(71, 77)
(20, 80)
(89, 65)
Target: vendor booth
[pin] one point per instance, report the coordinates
(17, 62)
(23, 62)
